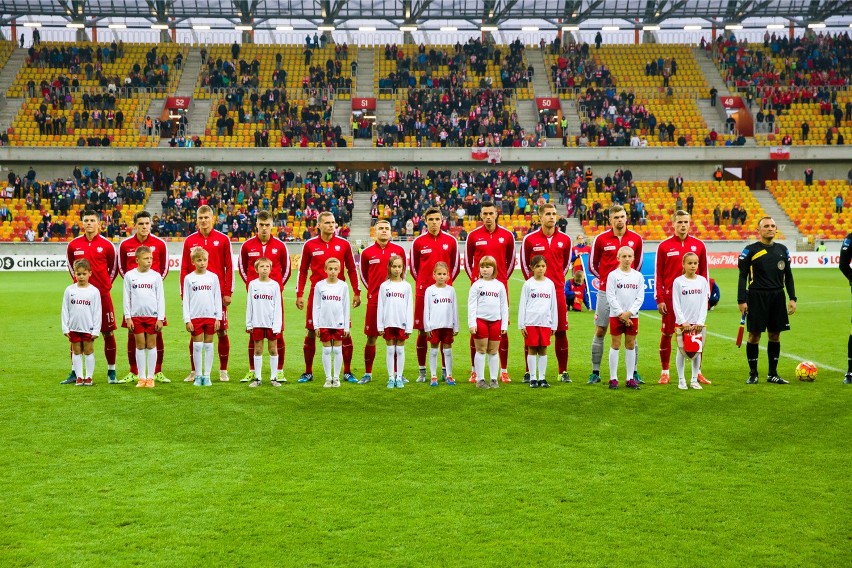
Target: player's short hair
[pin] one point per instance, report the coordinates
(82, 264)
(204, 209)
(625, 247)
(142, 250)
(141, 215)
(616, 209)
(762, 219)
(260, 260)
(680, 213)
(487, 203)
(264, 215)
(432, 211)
(383, 222)
(393, 259)
(441, 264)
(331, 261)
(687, 255)
(546, 206)
(324, 214)
(90, 213)
(196, 253)
(488, 261)
(537, 259)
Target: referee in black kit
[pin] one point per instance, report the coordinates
(764, 273)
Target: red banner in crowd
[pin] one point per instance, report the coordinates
(548, 103)
(363, 104)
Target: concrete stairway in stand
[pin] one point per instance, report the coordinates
(10, 107)
(540, 84)
(773, 209)
(360, 225)
(365, 87)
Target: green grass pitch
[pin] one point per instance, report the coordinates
(733, 475)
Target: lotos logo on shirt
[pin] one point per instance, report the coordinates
(442, 301)
(390, 294)
(330, 298)
(489, 294)
(80, 302)
(143, 286)
(264, 297)
(542, 295)
(202, 288)
(690, 291)
(627, 286)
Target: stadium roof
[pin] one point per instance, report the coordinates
(426, 13)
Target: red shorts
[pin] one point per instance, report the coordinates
(394, 334)
(669, 323)
(561, 311)
(78, 337)
(489, 330)
(418, 312)
(443, 335)
(107, 313)
(206, 326)
(537, 336)
(616, 327)
(124, 324)
(261, 333)
(327, 335)
(144, 325)
(370, 321)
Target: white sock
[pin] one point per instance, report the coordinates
(448, 361)
(542, 368)
(400, 360)
(494, 366)
(532, 366)
(479, 366)
(326, 361)
(630, 362)
(90, 366)
(258, 366)
(152, 362)
(502, 370)
(680, 364)
(338, 360)
(110, 367)
(391, 360)
(433, 361)
(208, 359)
(140, 363)
(77, 365)
(273, 366)
(613, 364)
(696, 367)
(198, 357)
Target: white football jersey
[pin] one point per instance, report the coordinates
(689, 300)
(440, 308)
(625, 292)
(331, 305)
(488, 301)
(395, 306)
(537, 306)
(263, 305)
(144, 295)
(202, 297)
(81, 310)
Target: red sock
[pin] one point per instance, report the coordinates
(347, 349)
(224, 349)
(251, 354)
(191, 358)
(421, 348)
(369, 357)
(665, 351)
(310, 348)
(561, 351)
(161, 351)
(281, 351)
(110, 348)
(472, 350)
(131, 352)
(504, 351)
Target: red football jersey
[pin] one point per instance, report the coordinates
(669, 263)
(220, 262)
(100, 253)
(315, 252)
(426, 252)
(373, 268)
(274, 249)
(499, 243)
(127, 254)
(556, 249)
(604, 256)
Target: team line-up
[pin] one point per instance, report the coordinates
(394, 310)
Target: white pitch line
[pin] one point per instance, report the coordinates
(787, 355)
